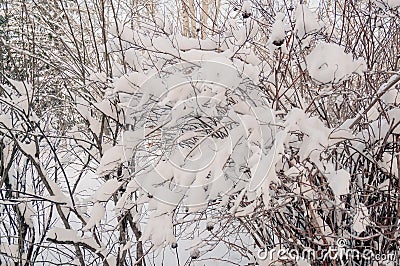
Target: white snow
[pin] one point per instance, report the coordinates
(246, 6)
(58, 195)
(306, 22)
(98, 76)
(28, 212)
(97, 213)
(107, 108)
(71, 235)
(106, 190)
(390, 3)
(29, 147)
(328, 63)
(23, 103)
(5, 120)
(277, 37)
(110, 160)
(339, 180)
(361, 219)
(22, 88)
(159, 229)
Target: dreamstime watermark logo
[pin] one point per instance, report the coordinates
(196, 129)
(338, 251)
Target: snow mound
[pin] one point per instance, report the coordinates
(306, 22)
(328, 63)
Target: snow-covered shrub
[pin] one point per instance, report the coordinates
(133, 134)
